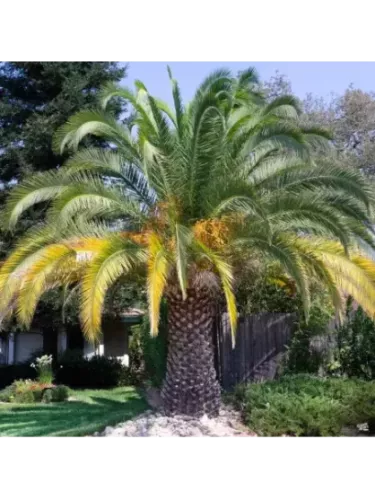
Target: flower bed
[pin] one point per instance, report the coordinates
(31, 391)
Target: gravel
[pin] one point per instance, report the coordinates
(155, 424)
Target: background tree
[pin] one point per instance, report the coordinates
(350, 117)
(35, 99)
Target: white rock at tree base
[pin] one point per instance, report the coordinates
(155, 424)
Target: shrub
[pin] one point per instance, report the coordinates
(6, 394)
(301, 357)
(96, 372)
(60, 393)
(47, 396)
(355, 352)
(30, 391)
(306, 405)
(148, 355)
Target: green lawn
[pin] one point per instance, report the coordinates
(92, 411)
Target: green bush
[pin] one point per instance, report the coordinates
(94, 373)
(47, 396)
(6, 394)
(30, 391)
(147, 354)
(26, 397)
(306, 405)
(301, 356)
(60, 393)
(355, 353)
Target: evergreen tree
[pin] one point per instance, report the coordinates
(35, 99)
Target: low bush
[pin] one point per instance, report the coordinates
(47, 396)
(97, 372)
(60, 393)
(305, 405)
(30, 391)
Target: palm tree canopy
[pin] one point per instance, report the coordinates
(183, 193)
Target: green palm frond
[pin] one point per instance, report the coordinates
(112, 164)
(286, 106)
(96, 123)
(94, 199)
(39, 188)
(178, 105)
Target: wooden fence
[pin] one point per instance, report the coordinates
(260, 341)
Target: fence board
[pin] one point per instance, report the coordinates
(260, 339)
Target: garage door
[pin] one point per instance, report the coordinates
(26, 345)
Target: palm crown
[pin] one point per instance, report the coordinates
(186, 193)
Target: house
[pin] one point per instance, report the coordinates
(19, 347)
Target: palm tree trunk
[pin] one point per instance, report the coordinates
(191, 386)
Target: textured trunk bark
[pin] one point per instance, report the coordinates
(191, 386)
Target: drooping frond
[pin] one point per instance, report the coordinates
(113, 165)
(116, 258)
(286, 106)
(183, 241)
(157, 273)
(96, 123)
(225, 272)
(42, 187)
(94, 199)
(36, 279)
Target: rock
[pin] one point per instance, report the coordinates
(155, 424)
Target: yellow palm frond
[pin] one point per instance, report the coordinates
(112, 261)
(36, 280)
(353, 274)
(226, 276)
(225, 271)
(156, 279)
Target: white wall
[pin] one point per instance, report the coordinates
(26, 344)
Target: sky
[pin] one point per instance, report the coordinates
(320, 78)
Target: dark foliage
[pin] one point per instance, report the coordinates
(35, 99)
(355, 353)
(10, 373)
(148, 355)
(97, 372)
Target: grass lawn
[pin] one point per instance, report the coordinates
(91, 411)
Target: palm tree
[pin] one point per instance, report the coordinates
(184, 196)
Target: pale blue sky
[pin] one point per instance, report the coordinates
(320, 78)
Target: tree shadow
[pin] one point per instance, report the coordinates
(71, 418)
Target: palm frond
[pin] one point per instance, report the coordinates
(36, 279)
(157, 274)
(96, 123)
(183, 241)
(225, 272)
(178, 106)
(116, 258)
